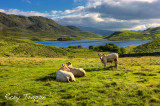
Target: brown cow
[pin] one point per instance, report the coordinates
(77, 72)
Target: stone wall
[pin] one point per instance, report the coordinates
(140, 54)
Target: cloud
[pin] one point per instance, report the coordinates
(126, 9)
(105, 14)
(1, 10)
(113, 14)
(25, 13)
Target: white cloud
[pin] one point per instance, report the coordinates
(25, 13)
(1, 10)
(105, 14)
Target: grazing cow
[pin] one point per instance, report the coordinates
(63, 75)
(109, 58)
(77, 72)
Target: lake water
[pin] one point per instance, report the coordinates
(87, 43)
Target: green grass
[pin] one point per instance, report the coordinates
(30, 68)
(131, 35)
(136, 81)
(10, 47)
(153, 46)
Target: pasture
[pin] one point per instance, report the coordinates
(31, 81)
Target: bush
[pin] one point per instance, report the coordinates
(122, 50)
(68, 38)
(35, 39)
(91, 47)
(75, 47)
(107, 47)
(79, 46)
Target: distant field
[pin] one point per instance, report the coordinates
(136, 81)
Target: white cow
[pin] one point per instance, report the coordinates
(109, 58)
(63, 76)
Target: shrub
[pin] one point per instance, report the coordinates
(80, 46)
(122, 50)
(35, 39)
(75, 47)
(91, 47)
(68, 38)
(107, 47)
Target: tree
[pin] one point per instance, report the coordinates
(79, 46)
(122, 50)
(91, 47)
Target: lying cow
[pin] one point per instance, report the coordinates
(63, 75)
(77, 72)
(109, 58)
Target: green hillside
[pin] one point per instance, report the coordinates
(11, 47)
(131, 35)
(36, 26)
(153, 46)
(153, 30)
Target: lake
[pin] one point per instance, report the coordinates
(87, 43)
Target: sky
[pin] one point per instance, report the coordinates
(100, 14)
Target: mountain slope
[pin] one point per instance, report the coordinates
(99, 31)
(131, 35)
(12, 47)
(153, 46)
(153, 30)
(21, 26)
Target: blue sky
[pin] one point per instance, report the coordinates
(101, 14)
(38, 5)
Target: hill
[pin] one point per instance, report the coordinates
(99, 31)
(10, 47)
(13, 47)
(131, 35)
(153, 46)
(134, 82)
(37, 26)
(153, 30)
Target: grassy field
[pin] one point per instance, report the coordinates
(136, 81)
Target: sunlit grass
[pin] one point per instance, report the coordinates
(136, 81)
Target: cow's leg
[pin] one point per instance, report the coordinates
(104, 65)
(68, 79)
(116, 62)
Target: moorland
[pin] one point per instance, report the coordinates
(28, 69)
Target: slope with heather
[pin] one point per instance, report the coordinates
(36, 26)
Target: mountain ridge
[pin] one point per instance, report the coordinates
(131, 35)
(18, 25)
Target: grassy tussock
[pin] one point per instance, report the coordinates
(136, 81)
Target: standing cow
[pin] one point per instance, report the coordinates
(109, 58)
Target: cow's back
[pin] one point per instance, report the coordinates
(60, 76)
(77, 72)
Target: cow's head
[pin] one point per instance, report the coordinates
(100, 56)
(65, 68)
(69, 64)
